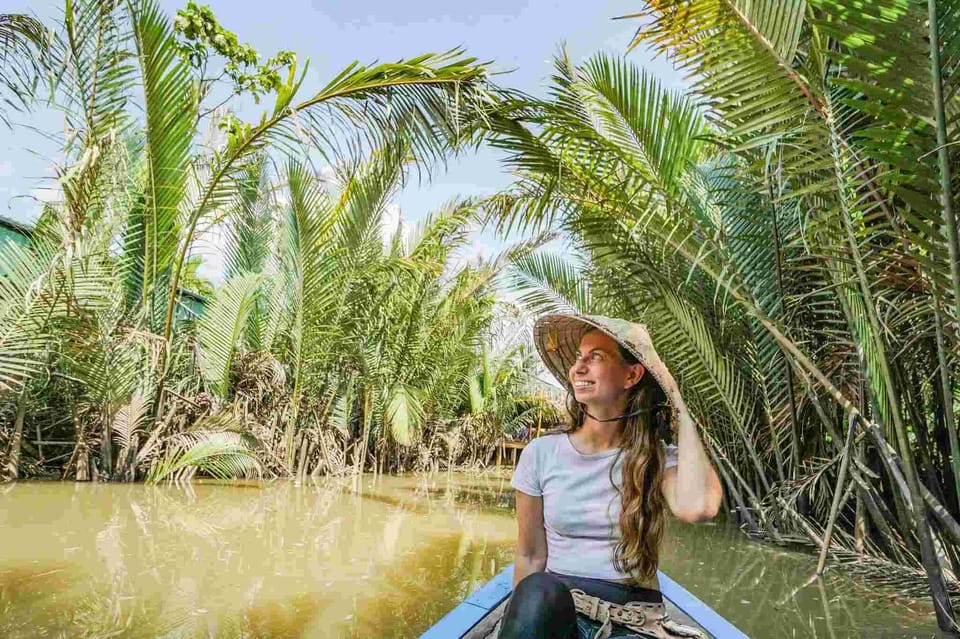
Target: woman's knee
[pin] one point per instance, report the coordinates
(542, 586)
(541, 607)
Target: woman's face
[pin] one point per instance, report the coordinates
(599, 377)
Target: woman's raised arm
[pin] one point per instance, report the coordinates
(692, 488)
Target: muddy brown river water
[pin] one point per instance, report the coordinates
(376, 558)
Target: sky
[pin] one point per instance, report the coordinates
(520, 37)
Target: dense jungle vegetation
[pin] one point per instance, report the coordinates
(786, 231)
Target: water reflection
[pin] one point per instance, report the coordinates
(345, 558)
(337, 558)
(768, 591)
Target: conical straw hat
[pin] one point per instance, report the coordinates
(557, 337)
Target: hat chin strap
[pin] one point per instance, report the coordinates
(613, 419)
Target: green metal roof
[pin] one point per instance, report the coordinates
(19, 232)
(11, 231)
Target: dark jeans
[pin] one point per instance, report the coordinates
(541, 607)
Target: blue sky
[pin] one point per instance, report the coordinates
(517, 36)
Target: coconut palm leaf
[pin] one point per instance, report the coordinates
(170, 121)
(248, 225)
(109, 369)
(89, 68)
(92, 67)
(341, 412)
(361, 203)
(430, 103)
(223, 455)
(130, 421)
(434, 238)
(628, 109)
(309, 268)
(404, 413)
(249, 228)
(23, 40)
(44, 290)
(23, 330)
(477, 403)
(552, 283)
(220, 330)
(744, 56)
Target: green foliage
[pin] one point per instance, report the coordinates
(221, 328)
(192, 281)
(23, 39)
(199, 33)
(170, 124)
(322, 326)
(404, 414)
(782, 234)
(212, 446)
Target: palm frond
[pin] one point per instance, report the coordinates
(224, 455)
(550, 282)
(249, 223)
(170, 121)
(23, 330)
(435, 237)
(430, 103)
(341, 412)
(221, 329)
(92, 66)
(130, 420)
(23, 40)
(404, 413)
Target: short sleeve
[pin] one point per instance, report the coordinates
(526, 476)
(671, 457)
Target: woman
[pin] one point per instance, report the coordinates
(590, 500)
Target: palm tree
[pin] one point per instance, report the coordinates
(780, 237)
(94, 298)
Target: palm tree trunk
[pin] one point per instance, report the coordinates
(880, 516)
(360, 451)
(106, 443)
(927, 467)
(944, 519)
(945, 617)
(835, 506)
(946, 195)
(12, 470)
(915, 507)
(882, 519)
(946, 396)
(787, 369)
(83, 460)
(289, 429)
(306, 447)
(743, 512)
(718, 458)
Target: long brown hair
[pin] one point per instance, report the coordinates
(641, 502)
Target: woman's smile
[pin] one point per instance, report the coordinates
(583, 384)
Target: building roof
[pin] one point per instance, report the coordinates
(18, 227)
(26, 230)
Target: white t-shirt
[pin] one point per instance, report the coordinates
(581, 509)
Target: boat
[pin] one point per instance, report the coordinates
(477, 616)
